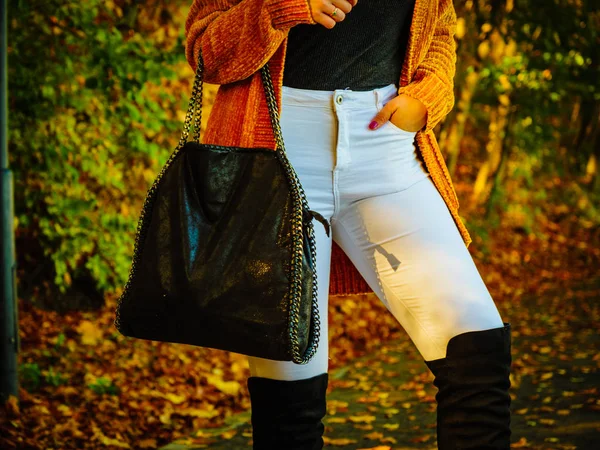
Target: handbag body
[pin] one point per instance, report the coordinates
(224, 254)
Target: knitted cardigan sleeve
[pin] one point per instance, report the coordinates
(238, 37)
(433, 81)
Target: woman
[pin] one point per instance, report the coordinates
(385, 189)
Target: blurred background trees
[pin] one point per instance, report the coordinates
(99, 90)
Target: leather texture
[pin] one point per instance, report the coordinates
(473, 400)
(215, 256)
(287, 415)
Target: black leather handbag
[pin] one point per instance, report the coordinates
(224, 254)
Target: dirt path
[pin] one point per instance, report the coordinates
(385, 401)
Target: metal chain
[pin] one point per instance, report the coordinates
(300, 205)
(298, 196)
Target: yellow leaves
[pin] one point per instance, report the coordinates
(391, 412)
(64, 410)
(379, 447)
(527, 121)
(336, 404)
(180, 115)
(208, 413)
(149, 175)
(181, 371)
(421, 393)
(483, 49)
(516, 215)
(110, 4)
(40, 409)
(184, 358)
(471, 80)
(494, 45)
(513, 257)
(125, 209)
(165, 35)
(90, 333)
(175, 399)
(348, 305)
(228, 434)
(67, 278)
(362, 418)
(105, 440)
(338, 442)
(165, 417)
(460, 28)
(511, 47)
(504, 82)
(380, 437)
(498, 46)
(70, 428)
(337, 420)
(486, 27)
(504, 99)
(12, 407)
(113, 172)
(370, 399)
(227, 387)
(375, 435)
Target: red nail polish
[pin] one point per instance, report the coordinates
(373, 125)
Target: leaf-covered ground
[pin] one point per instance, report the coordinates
(386, 400)
(84, 386)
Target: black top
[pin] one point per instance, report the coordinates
(365, 51)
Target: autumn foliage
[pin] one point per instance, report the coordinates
(97, 96)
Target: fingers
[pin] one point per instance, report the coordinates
(327, 7)
(412, 119)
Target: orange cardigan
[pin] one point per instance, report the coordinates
(237, 38)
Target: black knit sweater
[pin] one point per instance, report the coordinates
(364, 51)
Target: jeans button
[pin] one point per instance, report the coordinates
(339, 99)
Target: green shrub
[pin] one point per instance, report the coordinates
(95, 88)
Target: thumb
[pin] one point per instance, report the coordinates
(381, 117)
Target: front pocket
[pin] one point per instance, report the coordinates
(397, 128)
(391, 125)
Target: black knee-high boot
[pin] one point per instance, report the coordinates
(286, 415)
(473, 403)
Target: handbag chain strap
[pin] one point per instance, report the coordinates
(300, 205)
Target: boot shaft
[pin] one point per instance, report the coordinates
(288, 414)
(473, 381)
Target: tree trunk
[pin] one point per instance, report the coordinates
(499, 176)
(457, 130)
(494, 151)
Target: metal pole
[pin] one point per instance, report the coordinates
(9, 333)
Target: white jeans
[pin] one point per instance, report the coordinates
(386, 215)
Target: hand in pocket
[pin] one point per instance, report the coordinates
(404, 112)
